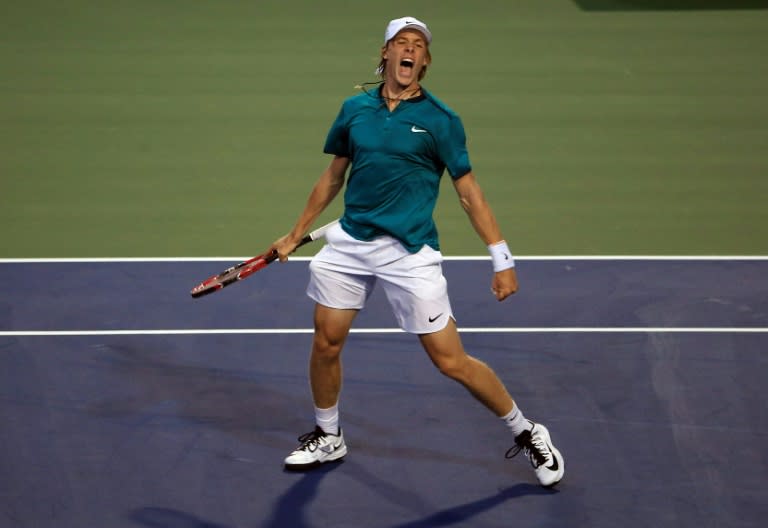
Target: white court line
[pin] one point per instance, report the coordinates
(23, 333)
(458, 257)
(467, 330)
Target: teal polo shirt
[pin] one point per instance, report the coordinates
(397, 160)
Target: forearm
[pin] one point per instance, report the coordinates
(322, 194)
(326, 188)
(478, 210)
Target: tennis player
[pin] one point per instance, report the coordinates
(396, 141)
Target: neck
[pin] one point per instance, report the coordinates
(394, 94)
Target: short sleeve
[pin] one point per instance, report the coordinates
(337, 140)
(452, 148)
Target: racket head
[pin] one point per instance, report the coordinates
(233, 274)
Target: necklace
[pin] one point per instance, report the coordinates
(392, 102)
(404, 95)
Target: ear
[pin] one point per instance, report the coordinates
(384, 51)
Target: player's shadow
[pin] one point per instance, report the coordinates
(155, 517)
(290, 508)
(464, 512)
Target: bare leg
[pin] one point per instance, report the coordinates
(325, 373)
(320, 446)
(447, 353)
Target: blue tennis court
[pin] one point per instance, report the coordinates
(125, 403)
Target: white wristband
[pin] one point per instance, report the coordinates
(501, 256)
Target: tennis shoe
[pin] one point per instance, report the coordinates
(546, 460)
(316, 447)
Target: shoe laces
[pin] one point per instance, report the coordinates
(311, 439)
(533, 447)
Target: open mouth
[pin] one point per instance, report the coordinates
(406, 67)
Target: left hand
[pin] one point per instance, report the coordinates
(504, 283)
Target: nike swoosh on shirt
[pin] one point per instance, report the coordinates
(414, 129)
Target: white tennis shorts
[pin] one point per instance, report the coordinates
(345, 271)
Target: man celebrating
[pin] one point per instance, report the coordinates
(397, 141)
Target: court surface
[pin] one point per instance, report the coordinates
(125, 403)
(177, 128)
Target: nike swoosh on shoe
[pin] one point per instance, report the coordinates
(330, 448)
(554, 466)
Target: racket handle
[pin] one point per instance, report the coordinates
(319, 232)
(313, 235)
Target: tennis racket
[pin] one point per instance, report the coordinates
(245, 269)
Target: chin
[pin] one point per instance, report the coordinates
(405, 82)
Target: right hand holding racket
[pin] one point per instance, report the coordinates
(284, 246)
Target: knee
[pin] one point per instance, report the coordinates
(326, 347)
(456, 368)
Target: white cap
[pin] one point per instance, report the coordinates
(399, 24)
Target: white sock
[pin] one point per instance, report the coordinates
(516, 421)
(328, 419)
